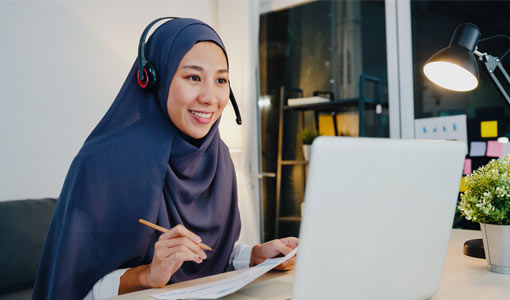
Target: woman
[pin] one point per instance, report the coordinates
(156, 155)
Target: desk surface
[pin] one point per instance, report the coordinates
(464, 278)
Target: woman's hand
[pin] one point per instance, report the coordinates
(275, 248)
(173, 248)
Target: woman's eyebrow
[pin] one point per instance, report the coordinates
(199, 68)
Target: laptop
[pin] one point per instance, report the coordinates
(376, 223)
(377, 218)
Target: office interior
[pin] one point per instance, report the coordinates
(64, 63)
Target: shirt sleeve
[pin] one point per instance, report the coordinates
(106, 287)
(240, 256)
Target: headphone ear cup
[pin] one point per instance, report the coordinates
(142, 83)
(151, 74)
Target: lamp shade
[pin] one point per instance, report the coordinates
(455, 67)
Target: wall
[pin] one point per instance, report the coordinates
(63, 64)
(275, 5)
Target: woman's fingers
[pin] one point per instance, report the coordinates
(165, 244)
(285, 246)
(287, 265)
(280, 247)
(171, 250)
(181, 254)
(180, 231)
(180, 235)
(291, 242)
(166, 262)
(275, 248)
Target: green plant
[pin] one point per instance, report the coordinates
(487, 198)
(308, 136)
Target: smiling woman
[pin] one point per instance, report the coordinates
(156, 155)
(199, 90)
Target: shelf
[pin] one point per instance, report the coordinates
(333, 105)
(294, 162)
(361, 104)
(290, 219)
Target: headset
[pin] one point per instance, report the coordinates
(148, 77)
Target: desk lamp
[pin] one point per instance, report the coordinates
(455, 68)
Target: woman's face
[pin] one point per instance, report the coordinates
(199, 90)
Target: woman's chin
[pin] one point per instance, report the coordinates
(198, 133)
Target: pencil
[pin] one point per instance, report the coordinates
(163, 229)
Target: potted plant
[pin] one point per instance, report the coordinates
(307, 139)
(487, 201)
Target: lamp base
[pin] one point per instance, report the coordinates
(474, 248)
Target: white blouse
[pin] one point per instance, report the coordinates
(108, 286)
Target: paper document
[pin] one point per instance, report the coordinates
(442, 128)
(223, 287)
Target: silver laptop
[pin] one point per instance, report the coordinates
(377, 218)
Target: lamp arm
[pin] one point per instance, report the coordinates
(492, 63)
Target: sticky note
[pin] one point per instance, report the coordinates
(506, 150)
(467, 166)
(477, 149)
(494, 149)
(462, 187)
(489, 129)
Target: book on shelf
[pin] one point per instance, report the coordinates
(306, 100)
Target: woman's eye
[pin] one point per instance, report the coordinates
(194, 78)
(222, 80)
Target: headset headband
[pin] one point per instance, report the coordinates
(142, 61)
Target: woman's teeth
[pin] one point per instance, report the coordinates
(202, 115)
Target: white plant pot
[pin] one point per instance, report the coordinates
(496, 244)
(307, 151)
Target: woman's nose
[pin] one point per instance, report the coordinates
(207, 94)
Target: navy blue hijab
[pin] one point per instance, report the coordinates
(137, 164)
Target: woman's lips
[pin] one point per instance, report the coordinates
(201, 117)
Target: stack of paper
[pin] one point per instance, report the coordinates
(223, 287)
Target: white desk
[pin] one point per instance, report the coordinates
(464, 278)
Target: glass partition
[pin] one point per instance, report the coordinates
(433, 23)
(322, 46)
